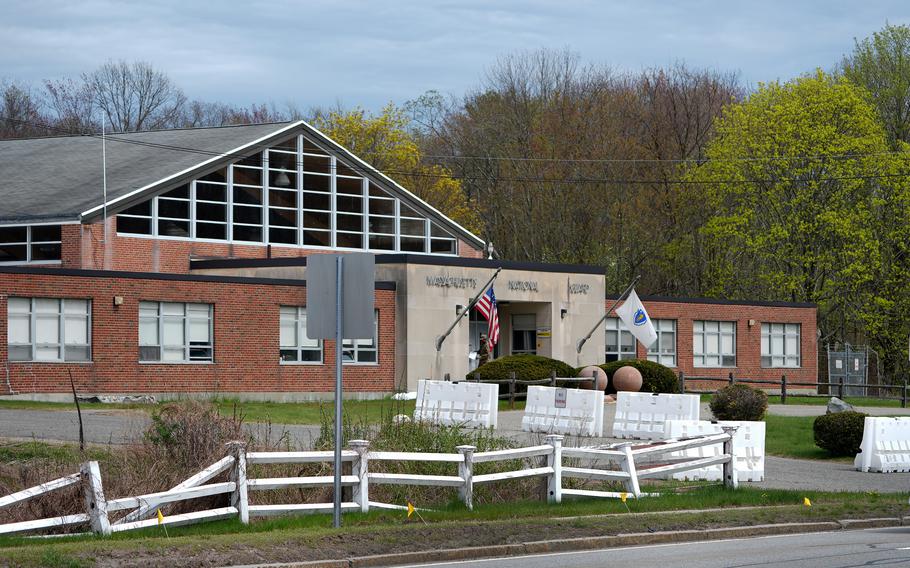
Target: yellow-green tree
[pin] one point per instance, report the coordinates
(384, 141)
(807, 203)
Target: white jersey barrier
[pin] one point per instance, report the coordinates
(748, 448)
(886, 445)
(475, 405)
(581, 415)
(643, 415)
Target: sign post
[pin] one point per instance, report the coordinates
(340, 306)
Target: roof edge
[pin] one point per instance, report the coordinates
(720, 301)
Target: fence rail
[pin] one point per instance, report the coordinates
(784, 384)
(513, 382)
(545, 461)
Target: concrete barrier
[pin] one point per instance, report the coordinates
(644, 415)
(886, 445)
(582, 415)
(748, 448)
(475, 405)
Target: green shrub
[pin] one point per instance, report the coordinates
(840, 433)
(525, 367)
(739, 402)
(654, 376)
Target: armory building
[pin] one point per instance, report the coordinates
(180, 267)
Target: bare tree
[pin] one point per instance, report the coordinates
(72, 105)
(20, 114)
(135, 96)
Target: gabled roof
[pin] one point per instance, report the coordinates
(59, 179)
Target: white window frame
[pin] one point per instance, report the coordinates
(357, 346)
(432, 234)
(702, 331)
(62, 317)
(617, 325)
(771, 331)
(29, 242)
(658, 352)
(160, 318)
(299, 320)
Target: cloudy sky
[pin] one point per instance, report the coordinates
(355, 52)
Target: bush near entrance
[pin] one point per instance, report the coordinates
(840, 433)
(655, 377)
(525, 367)
(739, 402)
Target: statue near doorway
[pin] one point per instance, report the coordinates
(483, 353)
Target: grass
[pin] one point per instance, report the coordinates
(312, 537)
(823, 400)
(792, 437)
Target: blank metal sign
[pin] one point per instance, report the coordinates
(358, 284)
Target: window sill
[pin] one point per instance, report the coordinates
(176, 362)
(783, 368)
(351, 364)
(45, 362)
(302, 363)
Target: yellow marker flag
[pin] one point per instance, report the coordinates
(622, 496)
(806, 502)
(160, 517)
(410, 509)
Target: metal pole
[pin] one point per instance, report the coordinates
(339, 338)
(583, 340)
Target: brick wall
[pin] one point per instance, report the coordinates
(83, 247)
(748, 338)
(246, 334)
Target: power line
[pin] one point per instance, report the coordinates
(424, 174)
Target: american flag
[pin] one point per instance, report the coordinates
(486, 305)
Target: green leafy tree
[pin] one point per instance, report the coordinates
(881, 64)
(806, 203)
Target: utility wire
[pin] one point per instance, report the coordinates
(423, 174)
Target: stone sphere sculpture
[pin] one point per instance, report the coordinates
(627, 379)
(598, 375)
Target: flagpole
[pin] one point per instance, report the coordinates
(583, 340)
(467, 309)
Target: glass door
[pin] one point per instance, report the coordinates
(524, 334)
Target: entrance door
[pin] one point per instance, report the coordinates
(524, 334)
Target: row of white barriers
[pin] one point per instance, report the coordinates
(580, 414)
(886, 445)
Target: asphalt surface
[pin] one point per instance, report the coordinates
(120, 426)
(841, 549)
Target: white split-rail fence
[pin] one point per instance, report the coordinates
(620, 460)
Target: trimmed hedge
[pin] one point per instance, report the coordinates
(739, 402)
(841, 433)
(654, 376)
(525, 367)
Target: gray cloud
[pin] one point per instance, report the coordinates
(368, 53)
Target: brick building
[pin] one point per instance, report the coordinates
(180, 267)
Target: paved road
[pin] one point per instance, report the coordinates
(841, 549)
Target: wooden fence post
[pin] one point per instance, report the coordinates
(682, 382)
(904, 396)
(783, 389)
(552, 378)
(448, 377)
(512, 390)
(466, 472)
(360, 468)
(732, 378)
(840, 388)
(477, 376)
(95, 503)
(554, 460)
(731, 479)
(628, 465)
(240, 497)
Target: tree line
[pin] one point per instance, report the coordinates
(789, 190)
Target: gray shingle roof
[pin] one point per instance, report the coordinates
(58, 178)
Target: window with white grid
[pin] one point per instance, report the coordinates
(663, 350)
(175, 332)
(714, 343)
(49, 329)
(620, 342)
(780, 345)
(295, 346)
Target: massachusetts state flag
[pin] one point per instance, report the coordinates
(632, 313)
(486, 305)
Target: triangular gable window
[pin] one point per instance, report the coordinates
(295, 193)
